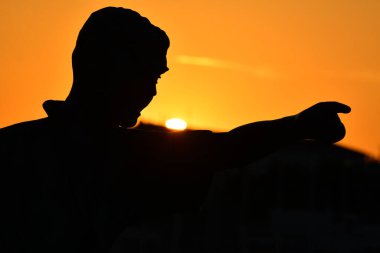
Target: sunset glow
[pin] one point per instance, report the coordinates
(176, 124)
(231, 62)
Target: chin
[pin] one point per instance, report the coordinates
(130, 122)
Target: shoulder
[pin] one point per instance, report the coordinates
(26, 126)
(19, 143)
(24, 130)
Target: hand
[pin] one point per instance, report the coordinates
(321, 122)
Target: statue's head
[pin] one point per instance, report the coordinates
(118, 58)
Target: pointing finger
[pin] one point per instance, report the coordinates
(336, 107)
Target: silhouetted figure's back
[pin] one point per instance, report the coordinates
(77, 178)
(71, 188)
(72, 182)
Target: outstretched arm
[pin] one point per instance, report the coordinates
(319, 122)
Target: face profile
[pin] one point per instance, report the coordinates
(118, 59)
(132, 89)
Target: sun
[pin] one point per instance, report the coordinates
(176, 124)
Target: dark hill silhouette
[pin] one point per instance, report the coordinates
(142, 125)
(305, 198)
(308, 197)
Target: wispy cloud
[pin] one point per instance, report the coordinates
(215, 63)
(267, 73)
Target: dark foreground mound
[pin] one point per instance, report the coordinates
(306, 198)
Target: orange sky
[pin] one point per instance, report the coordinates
(231, 62)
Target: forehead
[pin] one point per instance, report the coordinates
(138, 60)
(140, 64)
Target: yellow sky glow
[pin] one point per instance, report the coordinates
(231, 62)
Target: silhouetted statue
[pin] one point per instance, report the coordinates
(72, 182)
